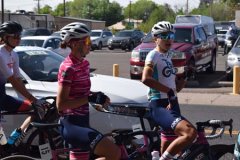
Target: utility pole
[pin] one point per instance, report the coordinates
(38, 6)
(186, 12)
(2, 11)
(129, 16)
(64, 8)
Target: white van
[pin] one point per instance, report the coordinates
(206, 21)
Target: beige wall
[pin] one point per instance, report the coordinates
(62, 21)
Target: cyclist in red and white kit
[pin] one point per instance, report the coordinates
(160, 76)
(10, 33)
(74, 95)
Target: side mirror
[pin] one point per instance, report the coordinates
(198, 41)
(49, 48)
(104, 36)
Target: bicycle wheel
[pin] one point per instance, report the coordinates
(39, 137)
(197, 152)
(19, 157)
(222, 151)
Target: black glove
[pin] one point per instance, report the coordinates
(171, 95)
(98, 98)
(172, 98)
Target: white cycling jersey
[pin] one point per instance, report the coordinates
(9, 64)
(163, 71)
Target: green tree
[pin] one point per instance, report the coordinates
(220, 11)
(97, 10)
(141, 9)
(161, 13)
(59, 11)
(46, 10)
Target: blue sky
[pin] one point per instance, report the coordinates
(28, 5)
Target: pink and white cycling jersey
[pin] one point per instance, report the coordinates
(9, 64)
(76, 74)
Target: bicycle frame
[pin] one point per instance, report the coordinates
(19, 146)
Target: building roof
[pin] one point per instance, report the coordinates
(117, 26)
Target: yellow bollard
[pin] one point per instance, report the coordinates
(236, 80)
(115, 70)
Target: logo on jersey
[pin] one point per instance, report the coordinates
(64, 74)
(169, 69)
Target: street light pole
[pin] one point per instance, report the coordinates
(2, 11)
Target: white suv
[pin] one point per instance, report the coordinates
(99, 38)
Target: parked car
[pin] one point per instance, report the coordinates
(126, 39)
(100, 38)
(39, 68)
(36, 32)
(192, 48)
(221, 34)
(49, 42)
(57, 33)
(233, 59)
(231, 37)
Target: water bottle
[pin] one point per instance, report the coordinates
(155, 155)
(3, 139)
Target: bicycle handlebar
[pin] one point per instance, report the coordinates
(215, 124)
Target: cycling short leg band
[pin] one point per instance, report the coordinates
(168, 136)
(75, 155)
(166, 156)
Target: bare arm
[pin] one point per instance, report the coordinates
(20, 87)
(63, 100)
(151, 82)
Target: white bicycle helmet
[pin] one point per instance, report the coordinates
(162, 27)
(74, 30)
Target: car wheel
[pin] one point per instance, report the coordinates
(226, 50)
(111, 48)
(100, 45)
(212, 67)
(192, 70)
(130, 47)
(229, 77)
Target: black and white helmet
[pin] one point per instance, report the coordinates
(74, 30)
(161, 27)
(10, 27)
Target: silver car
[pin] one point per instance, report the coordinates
(233, 59)
(39, 69)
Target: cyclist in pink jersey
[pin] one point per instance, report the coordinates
(74, 95)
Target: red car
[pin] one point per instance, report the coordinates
(193, 48)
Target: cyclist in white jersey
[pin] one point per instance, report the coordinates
(10, 33)
(160, 76)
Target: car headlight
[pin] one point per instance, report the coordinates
(109, 41)
(178, 55)
(232, 58)
(135, 55)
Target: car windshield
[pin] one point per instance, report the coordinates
(148, 38)
(95, 34)
(237, 45)
(28, 33)
(183, 35)
(40, 65)
(124, 34)
(31, 42)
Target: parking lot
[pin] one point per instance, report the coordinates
(102, 61)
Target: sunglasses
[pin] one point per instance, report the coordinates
(87, 41)
(166, 36)
(15, 36)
